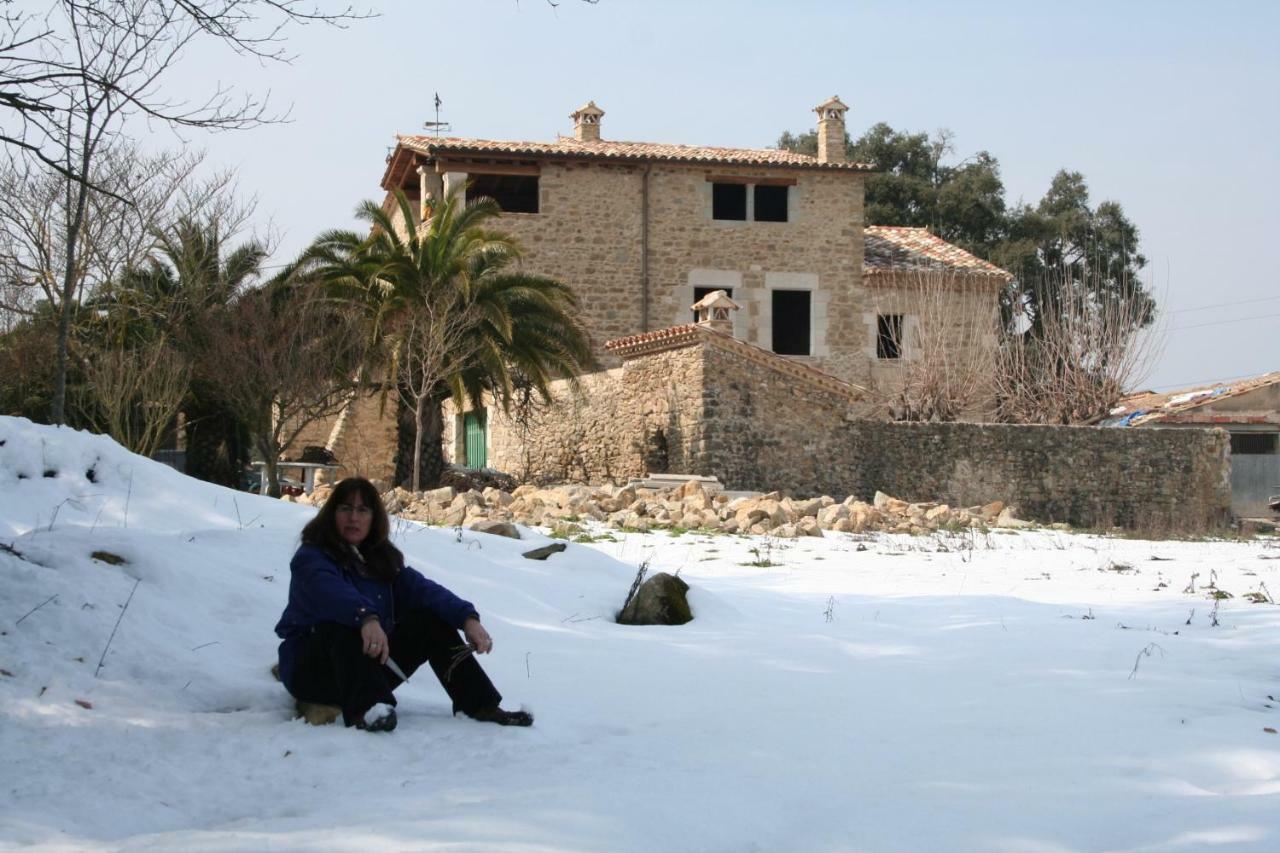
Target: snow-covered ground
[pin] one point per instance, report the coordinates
(1032, 691)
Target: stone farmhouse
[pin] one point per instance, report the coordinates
(642, 231)
(750, 326)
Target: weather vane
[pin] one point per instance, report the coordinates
(437, 125)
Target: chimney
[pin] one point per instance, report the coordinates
(715, 312)
(831, 130)
(586, 122)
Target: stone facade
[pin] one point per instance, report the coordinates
(630, 227)
(362, 438)
(592, 232)
(757, 421)
(950, 327)
(597, 428)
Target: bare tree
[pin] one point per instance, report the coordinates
(41, 57)
(133, 393)
(1085, 354)
(280, 362)
(141, 193)
(937, 333)
(96, 66)
(435, 343)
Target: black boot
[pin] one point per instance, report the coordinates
(379, 718)
(503, 718)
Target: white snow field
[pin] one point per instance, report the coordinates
(1033, 691)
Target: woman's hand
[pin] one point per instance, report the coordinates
(477, 635)
(374, 641)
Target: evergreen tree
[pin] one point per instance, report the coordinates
(518, 330)
(1060, 241)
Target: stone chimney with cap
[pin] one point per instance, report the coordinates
(831, 130)
(586, 122)
(715, 312)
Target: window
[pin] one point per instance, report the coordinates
(791, 322)
(889, 336)
(771, 203)
(729, 201)
(699, 292)
(513, 193)
(737, 200)
(1254, 442)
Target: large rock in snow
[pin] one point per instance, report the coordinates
(660, 600)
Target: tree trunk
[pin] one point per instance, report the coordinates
(216, 445)
(426, 446)
(270, 482)
(421, 403)
(432, 445)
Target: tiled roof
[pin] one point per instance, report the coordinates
(676, 337)
(894, 249)
(606, 149)
(1150, 407)
(673, 336)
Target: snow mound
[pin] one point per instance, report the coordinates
(1030, 691)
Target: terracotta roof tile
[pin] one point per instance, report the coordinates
(891, 249)
(606, 149)
(653, 341)
(1148, 406)
(676, 337)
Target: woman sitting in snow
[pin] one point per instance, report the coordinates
(357, 613)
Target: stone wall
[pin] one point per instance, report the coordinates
(766, 429)
(595, 430)
(590, 232)
(361, 437)
(949, 338)
(1086, 476)
(760, 422)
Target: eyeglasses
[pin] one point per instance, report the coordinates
(352, 509)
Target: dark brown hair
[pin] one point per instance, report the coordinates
(381, 559)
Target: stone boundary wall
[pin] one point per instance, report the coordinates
(1085, 476)
(764, 434)
(765, 429)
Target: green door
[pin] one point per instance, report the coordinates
(473, 426)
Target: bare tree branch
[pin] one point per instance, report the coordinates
(1089, 350)
(944, 342)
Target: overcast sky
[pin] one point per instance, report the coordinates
(1170, 108)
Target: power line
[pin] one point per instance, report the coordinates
(1205, 381)
(1224, 322)
(1224, 305)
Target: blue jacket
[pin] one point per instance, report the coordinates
(323, 588)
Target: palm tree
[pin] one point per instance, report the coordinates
(450, 312)
(191, 276)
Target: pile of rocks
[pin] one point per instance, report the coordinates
(689, 506)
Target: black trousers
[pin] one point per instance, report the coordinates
(332, 668)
